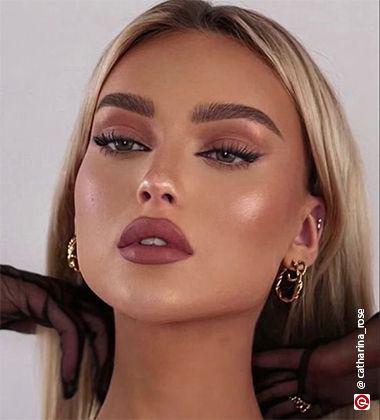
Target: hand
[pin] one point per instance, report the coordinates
(28, 299)
(328, 378)
(281, 381)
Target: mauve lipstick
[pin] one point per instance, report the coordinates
(177, 248)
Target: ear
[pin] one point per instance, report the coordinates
(305, 246)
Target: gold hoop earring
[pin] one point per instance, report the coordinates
(300, 270)
(72, 259)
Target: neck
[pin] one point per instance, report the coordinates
(198, 369)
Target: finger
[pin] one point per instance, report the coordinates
(98, 338)
(101, 338)
(314, 412)
(288, 410)
(107, 371)
(22, 325)
(277, 391)
(281, 358)
(272, 378)
(284, 409)
(105, 379)
(72, 334)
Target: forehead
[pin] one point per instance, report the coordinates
(177, 71)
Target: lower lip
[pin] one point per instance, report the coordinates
(152, 254)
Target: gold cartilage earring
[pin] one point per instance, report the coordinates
(300, 270)
(72, 259)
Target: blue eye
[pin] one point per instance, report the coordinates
(123, 144)
(231, 151)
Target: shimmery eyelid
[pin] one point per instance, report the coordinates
(119, 133)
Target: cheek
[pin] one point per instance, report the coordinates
(247, 236)
(100, 196)
(90, 201)
(271, 211)
(264, 213)
(97, 206)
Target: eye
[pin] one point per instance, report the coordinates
(227, 154)
(123, 144)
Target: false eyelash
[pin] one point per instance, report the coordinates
(239, 151)
(104, 139)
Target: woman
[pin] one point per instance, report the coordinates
(258, 176)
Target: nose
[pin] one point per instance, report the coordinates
(162, 183)
(156, 192)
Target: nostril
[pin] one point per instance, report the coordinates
(145, 195)
(168, 197)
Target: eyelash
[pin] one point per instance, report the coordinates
(241, 152)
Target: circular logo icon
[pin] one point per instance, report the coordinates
(361, 401)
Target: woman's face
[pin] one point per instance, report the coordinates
(239, 217)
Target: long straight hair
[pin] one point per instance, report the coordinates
(337, 284)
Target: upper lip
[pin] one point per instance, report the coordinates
(148, 227)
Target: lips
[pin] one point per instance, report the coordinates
(148, 227)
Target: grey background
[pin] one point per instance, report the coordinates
(48, 50)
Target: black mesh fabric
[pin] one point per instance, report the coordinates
(325, 376)
(75, 312)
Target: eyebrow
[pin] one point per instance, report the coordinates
(206, 112)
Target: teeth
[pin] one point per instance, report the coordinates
(153, 241)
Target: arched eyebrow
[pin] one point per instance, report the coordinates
(201, 113)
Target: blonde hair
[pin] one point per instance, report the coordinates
(338, 283)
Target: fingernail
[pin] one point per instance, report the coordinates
(69, 389)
